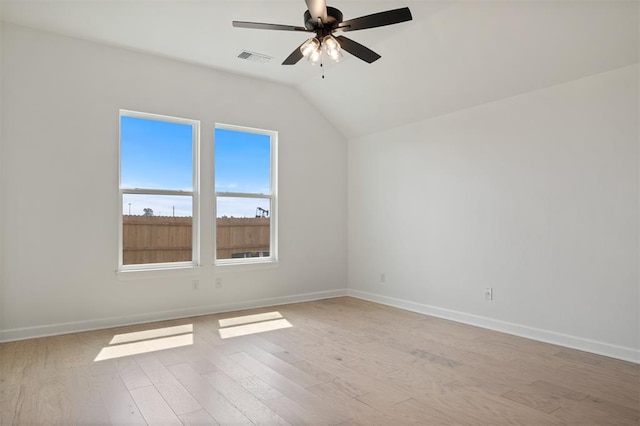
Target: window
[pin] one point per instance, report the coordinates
(245, 185)
(158, 191)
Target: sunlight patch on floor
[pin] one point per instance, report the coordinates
(141, 342)
(252, 324)
(247, 319)
(151, 334)
(260, 327)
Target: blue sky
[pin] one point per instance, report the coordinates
(158, 155)
(242, 162)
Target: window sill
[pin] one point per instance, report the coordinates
(145, 274)
(255, 265)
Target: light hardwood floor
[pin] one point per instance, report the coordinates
(343, 361)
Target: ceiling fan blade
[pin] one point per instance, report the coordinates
(295, 56)
(380, 19)
(358, 50)
(262, 26)
(317, 9)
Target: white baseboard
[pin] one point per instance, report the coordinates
(600, 348)
(88, 325)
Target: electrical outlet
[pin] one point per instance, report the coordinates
(488, 293)
(383, 277)
(218, 282)
(195, 284)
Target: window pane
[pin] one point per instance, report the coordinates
(242, 162)
(156, 154)
(242, 227)
(158, 230)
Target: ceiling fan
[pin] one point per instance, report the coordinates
(324, 20)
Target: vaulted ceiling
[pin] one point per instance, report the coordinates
(453, 55)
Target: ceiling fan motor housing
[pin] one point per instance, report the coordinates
(334, 17)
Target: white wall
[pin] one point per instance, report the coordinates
(2, 180)
(535, 196)
(60, 203)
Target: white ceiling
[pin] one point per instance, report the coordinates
(453, 55)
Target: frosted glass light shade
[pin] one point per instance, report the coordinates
(316, 56)
(330, 43)
(309, 46)
(332, 48)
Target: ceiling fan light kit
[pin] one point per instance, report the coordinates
(313, 49)
(324, 21)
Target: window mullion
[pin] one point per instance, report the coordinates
(242, 195)
(156, 191)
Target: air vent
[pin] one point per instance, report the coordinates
(254, 57)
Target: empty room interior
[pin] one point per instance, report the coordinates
(293, 212)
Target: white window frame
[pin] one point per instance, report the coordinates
(272, 196)
(194, 193)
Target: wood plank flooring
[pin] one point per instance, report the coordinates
(340, 361)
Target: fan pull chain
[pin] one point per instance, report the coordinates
(322, 68)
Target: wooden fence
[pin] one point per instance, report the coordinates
(156, 239)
